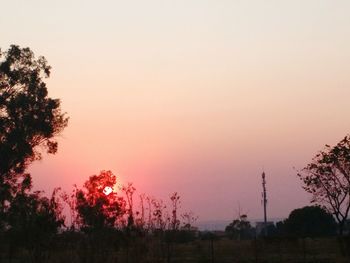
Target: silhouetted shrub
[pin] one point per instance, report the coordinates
(310, 221)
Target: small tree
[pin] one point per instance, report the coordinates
(327, 178)
(129, 190)
(189, 220)
(96, 209)
(149, 224)
(33, 220)
(160, 217)
(175, 202)
(140, 221)
(310, 221)
(71, 201)
(240, 228)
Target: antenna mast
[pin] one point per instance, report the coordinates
(264, 196)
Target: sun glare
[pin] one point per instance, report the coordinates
(117, 186)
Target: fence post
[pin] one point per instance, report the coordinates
(255, 249)
(212, 248)
(304, 249)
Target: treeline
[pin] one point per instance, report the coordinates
(309, 221)
(100, 204)
(100, 222)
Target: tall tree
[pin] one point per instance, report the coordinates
(29, 119)
(327, 178)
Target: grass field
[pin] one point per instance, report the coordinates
(224, 250)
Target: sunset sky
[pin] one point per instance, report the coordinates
(193, 96)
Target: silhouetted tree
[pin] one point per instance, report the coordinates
(188, 220)
(129, 190)
(281, 228)
(327, 178)
(187, 231)
(175, 202)
(150, 223)
(28, 118)
(240, 228)
(140, 221)
(96, 209)
(71, 201)
(160, 218)
(310, 221)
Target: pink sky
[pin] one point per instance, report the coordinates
(195, 96)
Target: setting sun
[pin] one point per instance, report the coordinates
(107, 190)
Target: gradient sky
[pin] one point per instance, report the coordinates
(194, 96)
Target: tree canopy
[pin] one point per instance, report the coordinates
(327, 178)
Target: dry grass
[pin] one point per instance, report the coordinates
(150, 250)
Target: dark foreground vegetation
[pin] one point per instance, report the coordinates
(101, 223)
(119, 247)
